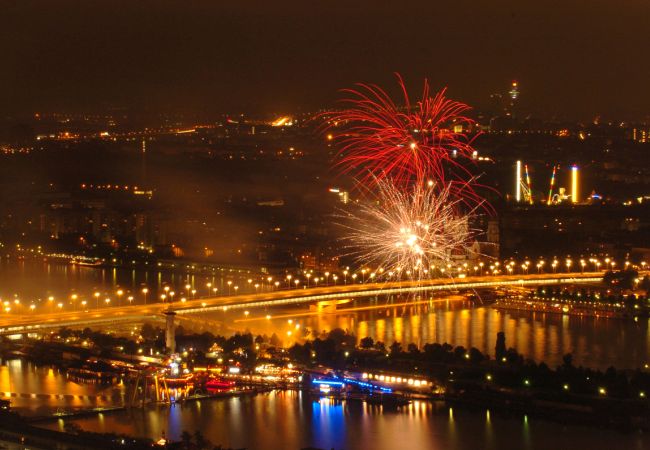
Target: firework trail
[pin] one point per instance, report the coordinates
(379, 138)
(408, 230)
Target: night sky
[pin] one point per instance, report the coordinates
(573, 59)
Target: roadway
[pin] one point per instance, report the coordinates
(13, 323)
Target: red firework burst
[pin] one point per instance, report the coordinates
(378, 137)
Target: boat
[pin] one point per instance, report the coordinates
(218, 384)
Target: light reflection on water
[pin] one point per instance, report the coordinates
(293, 420)
(31, 280)
(43, 390)
(594, 342)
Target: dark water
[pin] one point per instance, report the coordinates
(33, 281)
(39, 391)
(292, 420)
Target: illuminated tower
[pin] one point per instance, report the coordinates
(513, 93)
(518, 182)
(574, 185)
(144, 163)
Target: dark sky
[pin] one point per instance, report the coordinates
(572, 58)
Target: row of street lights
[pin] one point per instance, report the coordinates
(311, 279)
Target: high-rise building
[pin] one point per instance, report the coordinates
(513, 93)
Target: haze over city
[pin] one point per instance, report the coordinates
(324, 225)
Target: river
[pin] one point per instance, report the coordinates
(292, 420)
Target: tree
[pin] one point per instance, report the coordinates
(201, 442)
(148, 332)
(367, 342)
(275, 340)
(500, 348)
(395, 349)
(475, 355)
(186, 439)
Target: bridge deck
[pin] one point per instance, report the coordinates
(13, 324)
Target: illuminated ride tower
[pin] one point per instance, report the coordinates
(575, 188)
(523, 186)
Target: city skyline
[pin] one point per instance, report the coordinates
(324, 225)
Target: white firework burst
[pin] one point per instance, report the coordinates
(408, 231)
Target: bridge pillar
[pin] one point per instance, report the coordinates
(170, 331)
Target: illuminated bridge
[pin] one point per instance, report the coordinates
(21, 323)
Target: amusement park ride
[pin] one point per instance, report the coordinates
(524, 190)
